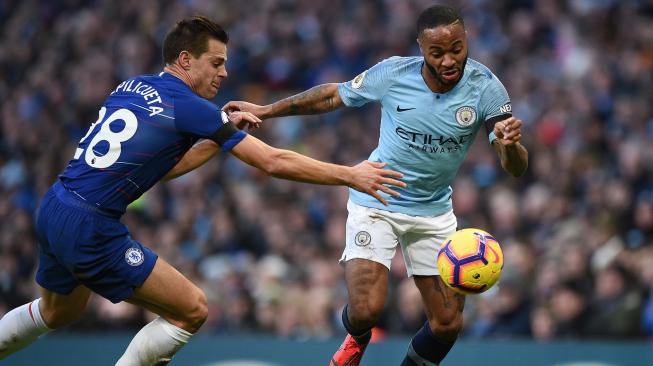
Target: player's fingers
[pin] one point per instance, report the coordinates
(376, 164)
(393, 182)
(513, 134)
(246, 117)
(389, 191)
(231, 107)
(498, 132)
(511, 141)
(391, 173)
(372, 192)
(253, 117)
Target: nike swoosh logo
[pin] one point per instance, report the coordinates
(348, 362)
(351, 360)
(399, 109)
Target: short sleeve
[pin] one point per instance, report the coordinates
(368, 86)
(199, 117)
(494, 105)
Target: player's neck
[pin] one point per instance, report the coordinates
(181, 74)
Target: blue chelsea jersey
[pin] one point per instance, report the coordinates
(425, 135)
(143, 129)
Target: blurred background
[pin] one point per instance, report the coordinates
(577, 230)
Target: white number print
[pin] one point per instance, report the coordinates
(114, 139)
(100, 117)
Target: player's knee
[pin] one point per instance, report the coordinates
(447, 328)
(59, 317)
(364, 314)
(196, 316)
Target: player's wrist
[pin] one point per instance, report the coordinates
(347, 176)
(512, 146)
(269, 111)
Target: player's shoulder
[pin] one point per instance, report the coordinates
(399, 65)
(480, 77)
(479, 73)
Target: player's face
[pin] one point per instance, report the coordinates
(445, 52)
(208, 70)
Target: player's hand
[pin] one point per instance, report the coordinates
(244, 120)
(370, 177)
(255, 109)
(508, 131)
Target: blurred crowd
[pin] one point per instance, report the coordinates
(577, 230)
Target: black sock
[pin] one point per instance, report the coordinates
(361, 336)
(426, 346)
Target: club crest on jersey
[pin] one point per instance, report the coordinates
(465, 116)
(363, 238)
(358, 81)
(134, 257)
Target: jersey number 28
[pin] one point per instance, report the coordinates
(114, 139)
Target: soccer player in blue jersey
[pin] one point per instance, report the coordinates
(432, 107)
(147, 131)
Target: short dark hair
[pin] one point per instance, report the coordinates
(192, 35)
(436, 16)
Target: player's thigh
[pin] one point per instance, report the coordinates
(443, 306)
(168, 293)
(371, 243)
(58, 309)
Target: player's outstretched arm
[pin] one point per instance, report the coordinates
(318, 99)
(199, 154)
(204, 150)
(513, 155)
(367, 177)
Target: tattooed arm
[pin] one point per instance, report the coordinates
(318, 99)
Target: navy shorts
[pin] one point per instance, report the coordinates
(80, 244)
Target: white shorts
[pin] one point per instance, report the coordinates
(373, 234)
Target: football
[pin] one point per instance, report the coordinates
(470, 261)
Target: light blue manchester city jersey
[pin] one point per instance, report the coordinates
(425, 135)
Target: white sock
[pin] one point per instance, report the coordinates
(154, 344)
(20, 327)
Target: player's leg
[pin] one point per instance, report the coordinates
(182, 309)
(370, 246)
(367, 284)
(444, 308)
(23, 325)
(444, 311)
(62, 298)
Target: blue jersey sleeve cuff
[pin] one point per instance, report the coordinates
(233, 141)
(491, 137)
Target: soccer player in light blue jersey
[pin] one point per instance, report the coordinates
(147, 131)
(432, 107)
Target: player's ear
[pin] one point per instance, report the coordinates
(419, 43)
(184, 60)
